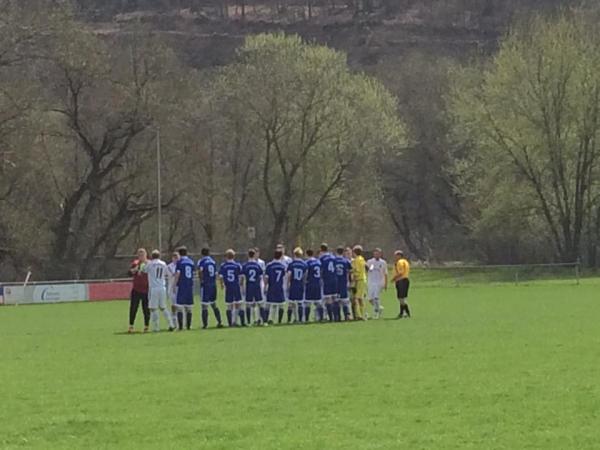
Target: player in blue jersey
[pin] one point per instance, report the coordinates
(184, 281)
(275, 278)
(296, 279)
(314, 293)
(329, 280)
(230, 275)
(253, 282)
(207, 272)
(343, 268)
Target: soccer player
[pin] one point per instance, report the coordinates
(172, 287)
(359, 279)
(264, 307)
(296, 279)
(275, 277)
(285, 258)
(329, 280)
(314, 293)
(184, 282)
(401, 278)
(230, 273)
(377, 279)
(253, 283)
(157, 275)
(343, 268)
(207, 272)
(139, 290)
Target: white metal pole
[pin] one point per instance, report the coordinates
(159, 189)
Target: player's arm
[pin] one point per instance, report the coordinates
(385, 276)
(133, 269)
(176, 280)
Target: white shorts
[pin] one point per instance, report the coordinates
(373, 291)
(157, 298)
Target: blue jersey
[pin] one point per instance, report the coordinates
(185, 284)
(342, 270)
(297, 269)
(313, 279)
(328, 274)
(276, 274)
(253, 273)
(230, 271)
(208, 267)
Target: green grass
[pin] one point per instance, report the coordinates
(477, 367)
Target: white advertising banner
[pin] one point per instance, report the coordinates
(49, 293)
(45, 293)
(14, 295)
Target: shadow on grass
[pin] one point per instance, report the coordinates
(214, 328)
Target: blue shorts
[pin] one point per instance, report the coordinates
(330, 287)
(254, 294)
(342, 290)
(276, 296)
(185, 297)
(233, 294)
(296, 293)
(313, 293)
(209, 293)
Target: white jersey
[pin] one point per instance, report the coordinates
(157, 274)
(376, 271)
(171, 271)
(286, 260)
(262, 264)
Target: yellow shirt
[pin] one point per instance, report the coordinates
(359, 269)
(402, 269)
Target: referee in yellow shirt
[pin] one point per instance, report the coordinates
(401, 278)
(359, 282)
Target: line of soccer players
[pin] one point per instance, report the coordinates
(333, 285)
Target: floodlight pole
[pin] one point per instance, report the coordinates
(159, 189)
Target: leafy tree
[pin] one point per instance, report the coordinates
(534, 116)
(312, 121)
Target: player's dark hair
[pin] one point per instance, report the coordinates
(310, 252)
(324, 247)
(278, 254)
(357, 250)
(251, 253)
(340, 250)
(155, 254)
(205, 251)
(182, 250)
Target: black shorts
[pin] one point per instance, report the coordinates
(402, 288)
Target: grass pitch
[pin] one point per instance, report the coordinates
(477, 367)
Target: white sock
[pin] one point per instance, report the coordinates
(167, 316)
(154, 317)
(234, 316)
(174, 320)
(295, 312)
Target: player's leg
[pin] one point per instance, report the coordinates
(403, 302)
(153, 298)
(345, 305)
(188, 316)
(174, 322)
(204, 314)
(249, 308)
(241, 312)
(280, 312)
(134, 304)
(162, 306)
(217, 314)
(145, 310)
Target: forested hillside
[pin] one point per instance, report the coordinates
(90, 87)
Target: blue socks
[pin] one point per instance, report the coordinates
(204, 318)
